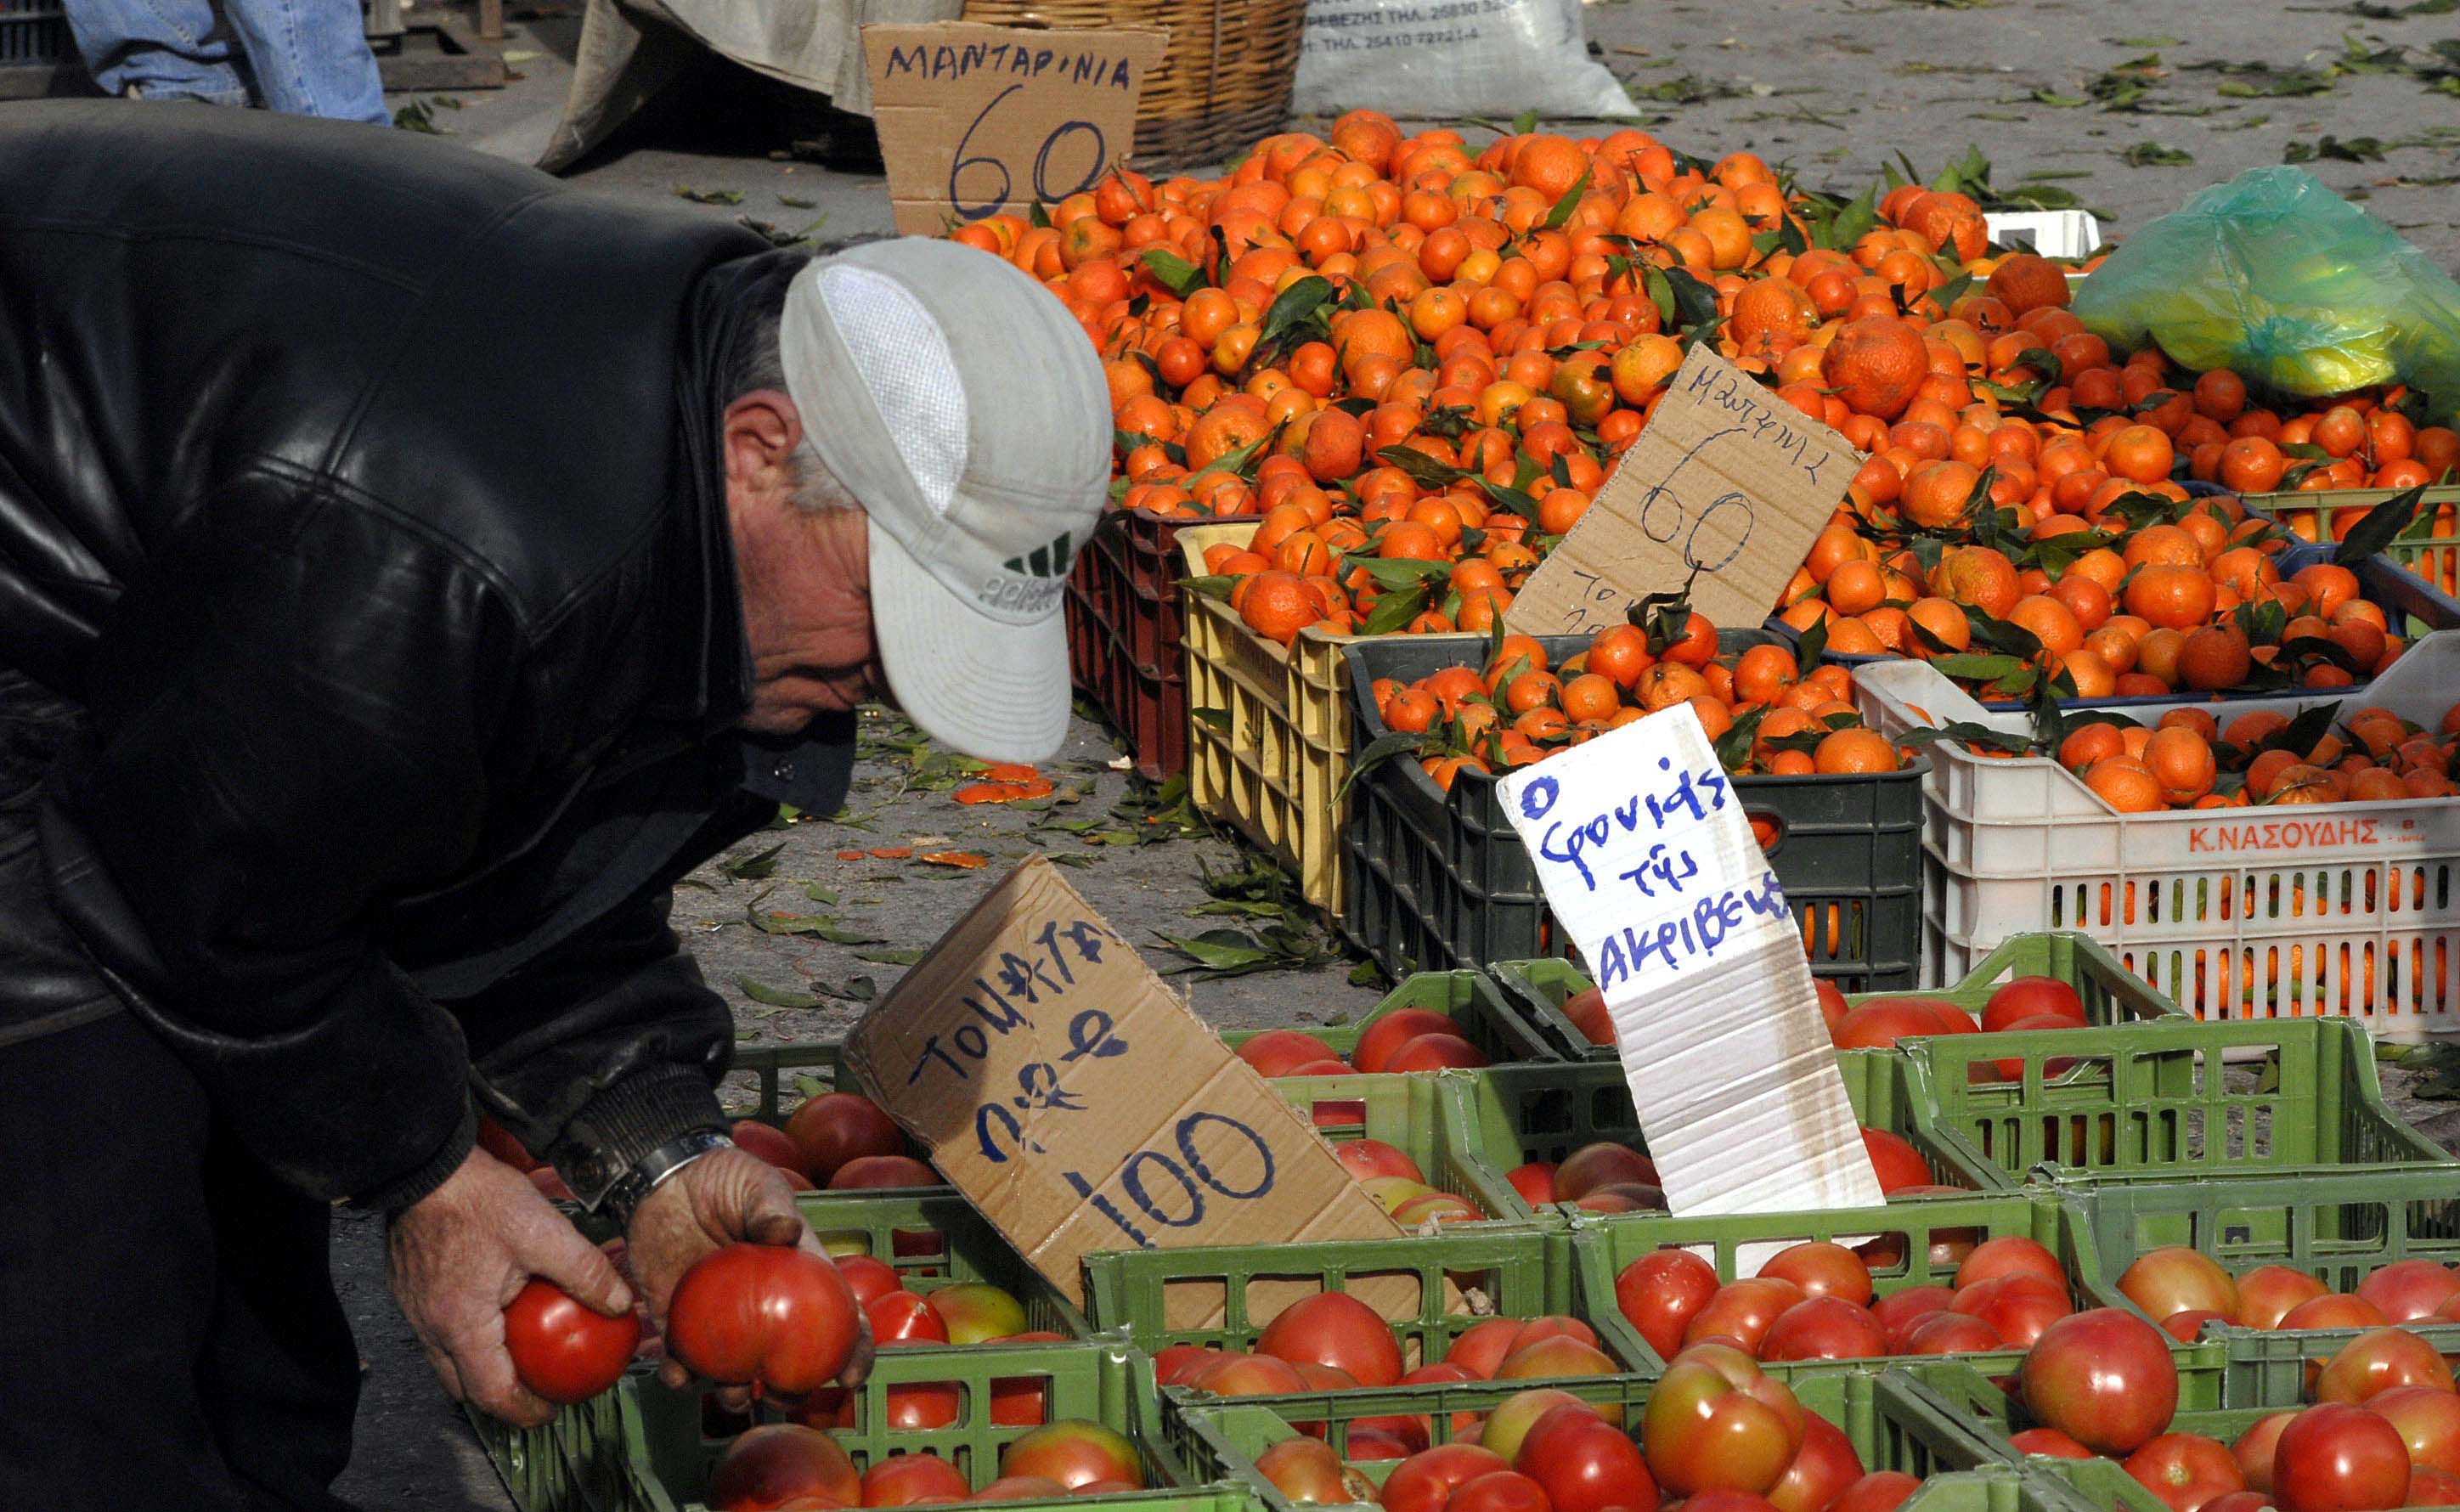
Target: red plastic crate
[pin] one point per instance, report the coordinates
(1124, 621)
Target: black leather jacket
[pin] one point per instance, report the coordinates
(363, 494)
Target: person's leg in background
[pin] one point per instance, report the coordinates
(309, 57)
(160, 48)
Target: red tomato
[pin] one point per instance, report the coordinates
(2185, 1470)
(2017, 1308)
(1307, 1470)
(1370, 1443)
(1882, 1021)
(1823, 1269)
(1603, 1164)
(1337, 1330)
(2051, 1442)
(1742, 1311)
(2010, 1255)
(2409, 1289)
(1899, 1165)
(2335, 1311)
(2178, 1279)
(1426, 1481)
(1898, 1312)
(755, 1138)
(1508, 1427)
(1554, 1356)
(868, 1278)
(1248, 1375)
(2336, 1457)
(1279, 1052)
(1833, 1007)
(496, 1141)
(1022, 1402)
(2432, 1488)
(2428, 1421)
(2242, 1501)
(2104, 1378)
(1584, 1464)
(900, 1317)
(1176, 1363)
(2188, 1327)
(1021, 1488)
(2255, 1448)
(1377, 1042)
(2266, 1293)
(1879, 1491)
(563, 1351)
(836, 1127)
(1820, 1472)
(1715, 1420)
(930, 1405)
(1497, 1491)
(2011, 1068)
(1588, 1013)
(1534, 1182)
(2379, 1361)
(912, 1478)
(1436, 1053)
(1824, 1328)
(1074, 1453)
(1720, 1499)
(767, 1467)
(2029, 995)
(1369, 1158)
(762, 1313)
(1481, 1346)
(1950, 1333)
(875, 1172)
(1554, 1326)
(1661, 1292)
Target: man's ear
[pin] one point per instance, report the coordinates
(758, 434)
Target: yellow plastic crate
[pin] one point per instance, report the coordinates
(1268, 730)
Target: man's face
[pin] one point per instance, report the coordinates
(805, 577)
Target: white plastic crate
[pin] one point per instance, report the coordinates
(2298, 911)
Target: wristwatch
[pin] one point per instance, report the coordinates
(634, 1187)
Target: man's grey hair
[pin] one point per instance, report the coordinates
(756, 364)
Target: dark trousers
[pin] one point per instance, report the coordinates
(169, 1335)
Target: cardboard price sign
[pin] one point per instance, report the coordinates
(1065, 1090)
(976, 119)
(1649, 860)
(1724, 491)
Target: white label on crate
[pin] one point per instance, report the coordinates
(1649, 862)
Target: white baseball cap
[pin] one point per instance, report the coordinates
(960, 405)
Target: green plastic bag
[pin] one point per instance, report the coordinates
(2276, 278)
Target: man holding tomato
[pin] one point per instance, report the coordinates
(408, 568)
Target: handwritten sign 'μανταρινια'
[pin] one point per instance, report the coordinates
(975, 119)
(1648, 863)
(1724, 491)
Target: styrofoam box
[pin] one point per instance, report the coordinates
(2295, 911)
(2053, 233)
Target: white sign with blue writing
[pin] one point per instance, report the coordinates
(1649, 862)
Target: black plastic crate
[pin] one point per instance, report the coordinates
(1124, 622)
(33, 35)
(1439, 881)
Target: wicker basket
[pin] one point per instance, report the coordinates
(1224, 82)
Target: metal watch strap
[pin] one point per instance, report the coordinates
(634, 1187)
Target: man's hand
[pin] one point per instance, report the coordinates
(460, 1255)
(723, 1197)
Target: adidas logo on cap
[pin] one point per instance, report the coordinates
(1043, 561)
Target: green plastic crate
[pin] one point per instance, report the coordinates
(1891, 1425)
(1508, 1116)
(2193, 1099)
(1407, 1111)
(1468, 998)
(2336, 1225)
(1224, 1295)
(1979, 1406)
(2112, 994)
(1602, 1246)
(644, 1447)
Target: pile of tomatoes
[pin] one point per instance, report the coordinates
(2185, 1289)
(782, 1467)
(1816, 1301)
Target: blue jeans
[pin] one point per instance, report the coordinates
(302, 58)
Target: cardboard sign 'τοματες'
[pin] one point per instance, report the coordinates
(1724, 491)
(1650, 863)
(1080, 1106)
(975, 119)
